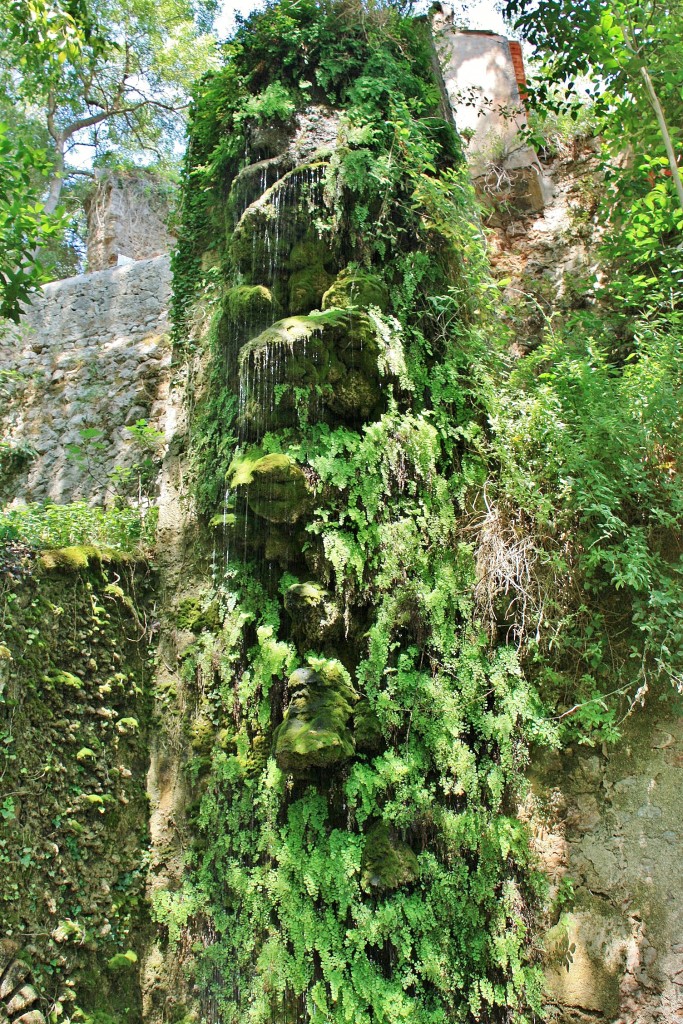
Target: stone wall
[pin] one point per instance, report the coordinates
(127, 219)
(611, 822)
(92, 353)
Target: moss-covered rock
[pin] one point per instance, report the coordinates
(314, 732)
(281, 547)
(323, 367)
(277, 487)
(268, 230)
(387, 863)
(78, 557)
(248, 303)
(310, 251)
(316, 617)
(195, 614)
(354, 395)
(367, 730)
(306, 288)
(356, 288)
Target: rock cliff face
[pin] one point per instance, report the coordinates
(610, 823)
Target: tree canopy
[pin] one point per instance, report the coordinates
(84, 78)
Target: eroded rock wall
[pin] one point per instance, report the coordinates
(128, 216)
(91, 354)
(610, 823)
(75, 678)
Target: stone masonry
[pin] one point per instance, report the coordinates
(128, 217)
(92, 353)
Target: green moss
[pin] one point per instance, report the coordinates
(282, 547)
(240, 470)
(306, 288)
(195, 614)
(356, 288)
(80, 679)
(314, 732)
(202, 735)
(277, 488)
(71, 559)
(354, 395)
(310, 252)
(387, 862)
(122, 961)
(316, 615)
(324, 365)
(248, 302)
(367, 728)
(61, 678)
(78, 557)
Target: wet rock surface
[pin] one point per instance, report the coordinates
(314, 733)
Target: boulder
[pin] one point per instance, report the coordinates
(314, 733)
(316, 617)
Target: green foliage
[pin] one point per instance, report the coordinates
(45, 525)
(589, 452)
(24, 226)
(627, 56)
(355, 857)
(111, 76)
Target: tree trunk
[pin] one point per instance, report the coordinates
(56, 180)
(666, 134)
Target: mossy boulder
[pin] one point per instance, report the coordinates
(323, 367)
(270, 228)
(316, 617)
(78, 557)
(354, 395)
(202, 734)
(277, 488)
(248, 303)
(356, 288)
(314, 733)
(306, 288)
(310, 252)
(387, 863)
(282, 547)
(367, 730)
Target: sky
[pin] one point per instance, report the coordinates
(479, 14)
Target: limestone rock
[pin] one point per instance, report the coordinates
(367, 730)
(306, 288)
(323, 367)
(277, 487)
(356, 288)
(314, 732)
(316, 616)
